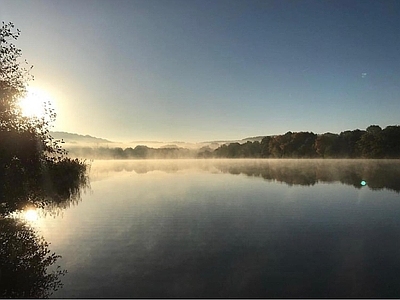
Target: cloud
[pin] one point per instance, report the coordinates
(363, 75)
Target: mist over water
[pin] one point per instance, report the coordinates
(376, 174)
(232, 228)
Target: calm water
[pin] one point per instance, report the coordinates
(241, 228)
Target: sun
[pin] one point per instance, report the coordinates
(31, 215)
(34, 103)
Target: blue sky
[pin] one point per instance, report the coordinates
(212, 70)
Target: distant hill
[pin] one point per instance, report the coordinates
(73, 140)
(252, 139)
(242, 141)
(77, 138)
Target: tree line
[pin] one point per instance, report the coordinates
(139, 152)
(374, 142)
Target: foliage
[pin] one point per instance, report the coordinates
(17, 131)
(24, 262)
(34, 170)
(33, 165)
(53, 186)
(371, 143)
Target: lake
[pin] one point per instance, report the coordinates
(230, 228)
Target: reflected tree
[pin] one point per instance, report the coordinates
(54, 189)
(34, 171)
(25, 260)
(377, 174)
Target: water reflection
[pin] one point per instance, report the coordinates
(27, 265)
(51, 194)
(24, 262)
(376, 174)
(196, 229)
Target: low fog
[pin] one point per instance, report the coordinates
(359, 173)
(88, 147)
(372, 143)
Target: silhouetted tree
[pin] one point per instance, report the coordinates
(371, 143)
(28, 153)
(327, 145)
(140, 151)
(299, 144)
(391, 141)
(276, 146)
(25, 260)
(21, 136)
(348, 143)
(265, 146)
(250, 149)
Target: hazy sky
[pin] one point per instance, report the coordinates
(212, 70)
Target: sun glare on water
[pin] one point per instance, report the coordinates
(33, 105)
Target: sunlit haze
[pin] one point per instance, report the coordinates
(35, 102)
(178, 70)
